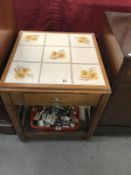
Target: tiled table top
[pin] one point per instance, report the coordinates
(55, 58)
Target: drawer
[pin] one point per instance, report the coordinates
(52, 99)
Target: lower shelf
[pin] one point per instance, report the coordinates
(56, 135)
(37, 134)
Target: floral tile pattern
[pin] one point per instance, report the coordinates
(32, 38)
(81, 40)
(56, 54)
(55, 58)
(23, 72)
(87, 74)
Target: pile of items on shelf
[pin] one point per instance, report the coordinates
(55, 118)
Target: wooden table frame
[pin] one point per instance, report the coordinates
(32, 94)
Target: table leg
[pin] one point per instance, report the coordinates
(97, 115)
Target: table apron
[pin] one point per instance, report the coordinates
(52, 99)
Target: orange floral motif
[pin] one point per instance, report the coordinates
(84, 74)
(82, 39)
(22, 72)
(93, 75)
(88, 74)
(31, 37)
(58, 54)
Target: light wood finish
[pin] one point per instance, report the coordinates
(11, 87)
(15, 94)
(50, 99)
(16, 85)
(97, 115)
(101, 63)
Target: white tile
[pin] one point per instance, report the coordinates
(28, 53)
(32, 38)
(31, 76)
(55, 74)
(56, 39)
(50, 57)
(77, 79)
(84, 55)
(81, 40)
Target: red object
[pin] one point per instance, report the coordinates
(65, 15)
(52, 128)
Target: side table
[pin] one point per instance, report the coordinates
(47, 68)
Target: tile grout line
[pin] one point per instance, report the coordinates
(70, 59)
(42, 57)
(70, 63)
(49, 62)
(56, 46)
(24, 61)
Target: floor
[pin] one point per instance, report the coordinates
(99, 156)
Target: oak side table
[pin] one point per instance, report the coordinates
(47, 68)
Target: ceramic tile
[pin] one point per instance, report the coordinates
(23, 72)
(55, 39)
(56, 54)
(28, 53)
(55, 74)
(56, 60)
(84, 55)
(32, 38)
(87, 75)
(81, 40)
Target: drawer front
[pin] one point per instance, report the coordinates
(52, 99)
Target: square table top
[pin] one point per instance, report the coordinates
(52, 58)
